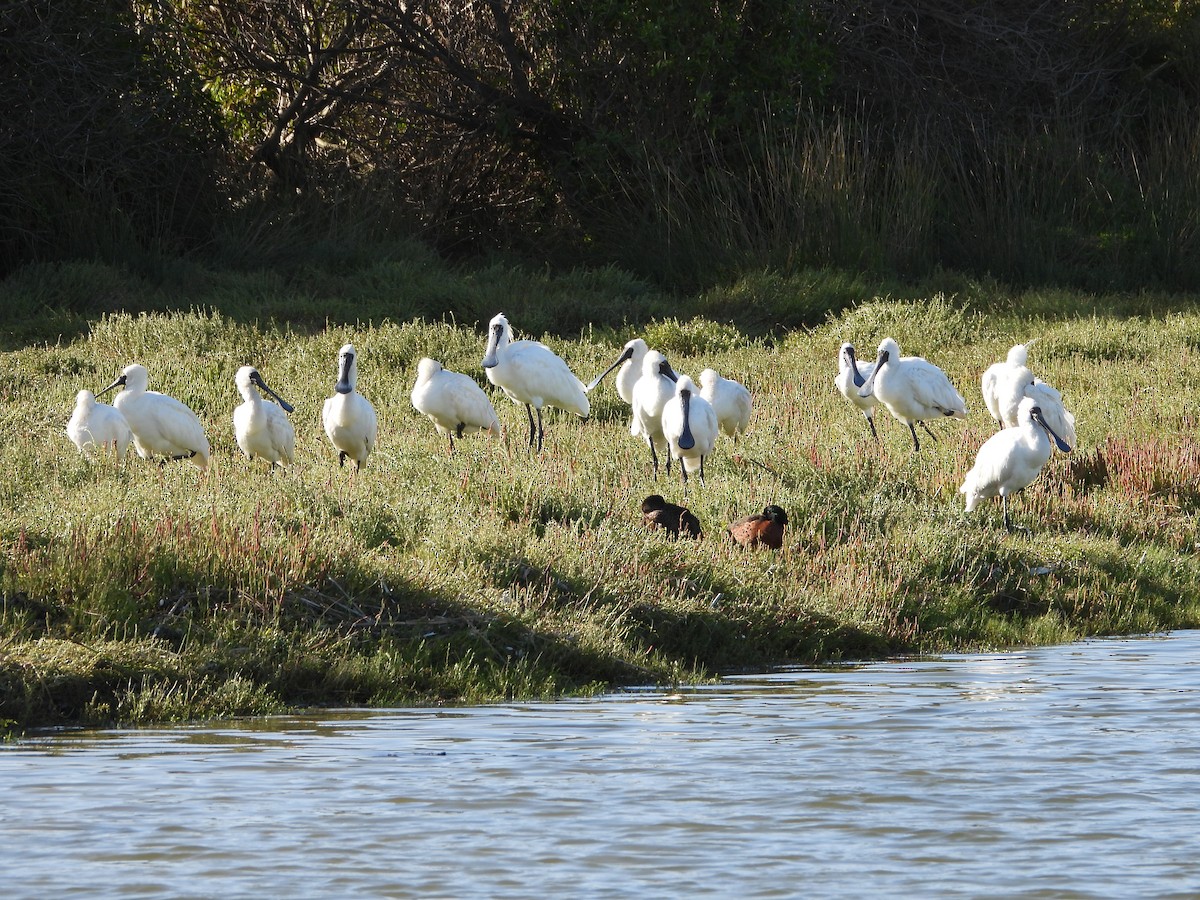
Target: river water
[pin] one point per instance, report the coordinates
(1067, 771)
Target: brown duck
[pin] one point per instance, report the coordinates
(658, 513)
(765, 528)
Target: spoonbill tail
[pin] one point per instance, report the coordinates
(262, 428)
(348, 416)
(452, 401)
(161, 425)
(531, 373)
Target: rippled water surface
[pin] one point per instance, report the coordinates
(1058, 772)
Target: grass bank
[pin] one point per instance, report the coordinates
(154, 594)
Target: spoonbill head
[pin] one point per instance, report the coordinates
(1011, 459)
(161, 425)
(630, 362)
(262, 429)
(531, 373)
(654, 389)
(912, 389)
(1057, 416)
(729, 400)
(349, 418)
(452, 401)
(852, 376)
(689, 426)
(765, 529)
(674, 520)
(96, 425)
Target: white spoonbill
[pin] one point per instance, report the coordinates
(912, 389)
(348, 416)
(1003, 385)
(630, 362)
(161, 425)
(452, 401)
(852, 376)
(1011, 459)
(729, 400)
(262, 428)
(529, 372)
(650, 395)
(689, 425)
(96, 425)
(1057, 416)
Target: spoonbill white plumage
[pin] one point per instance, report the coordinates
(729, 400)
(262, 428)
(531, 373)
(95, 425)
(650, 395)
(452, 401)
(765, 528)
(348, 416)
(912, 389)
(1011, 459)
(689, 425)
(1057, 416)
(630, 362)
(161, 425)
(851, 377)
(1003, 385)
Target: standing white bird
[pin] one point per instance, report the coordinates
(1057, 416)
(348, 416)
(452, 401)
(912, 389)
(630, 362)
(729, 400)
(850, 379)
(97, 426)
(689, 424)
(650, 395)
(1003, 385)
(531, 373)
(1011, 459)
(161, 425)
(262, 428)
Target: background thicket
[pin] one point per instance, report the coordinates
(685, 141)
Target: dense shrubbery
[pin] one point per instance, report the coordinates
(690, 142)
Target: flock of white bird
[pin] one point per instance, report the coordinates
(668, 411)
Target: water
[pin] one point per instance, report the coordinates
(1060, 772)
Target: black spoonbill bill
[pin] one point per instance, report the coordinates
(630, 362)
(452, 401)
(531, 373)
(161, 425)
(97, 425)
(912, 389)
(674, 520)
(1011, 459)
(348, 416)
(650, 395)
(729, 400)
(689, 426)
(765, 529)
(262, 428)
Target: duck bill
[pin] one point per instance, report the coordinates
(1062, 445)
(686, 440)
(489, 356)
(120, 382)
(344, 386)
(624, 357)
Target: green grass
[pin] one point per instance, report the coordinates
(143, 593)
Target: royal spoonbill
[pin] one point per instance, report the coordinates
(674, 520)
(348, 416)
(1057, 416)
(912, 389)
(452, 401)
(630, 362)
(262, 428)
(850, 379)
(96, 425)
(1003, 385)
(650, 395)
(1011, 459)
(161, 425)
(729, 400)
(531, 373)
(765, 528)
(689, 426)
